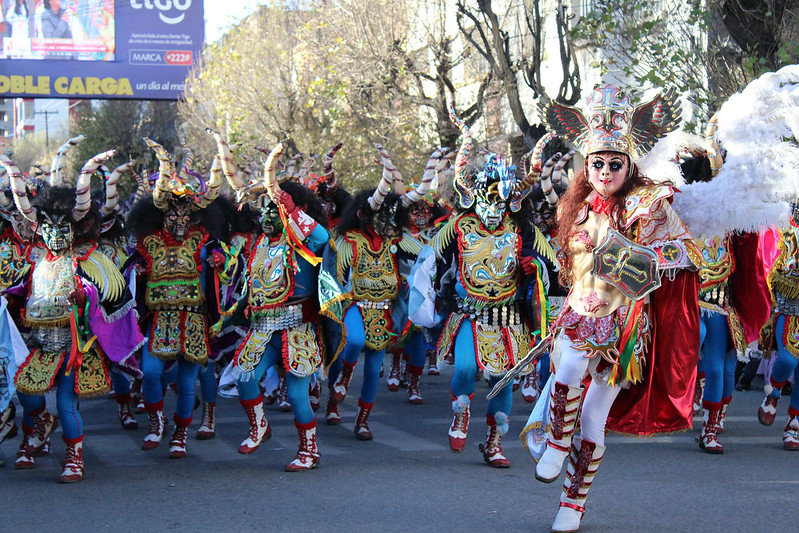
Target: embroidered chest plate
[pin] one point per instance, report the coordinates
(13, 264)
(173, 270)
(784, 275)
(374, 272)
(488, 263)
(716, 260)
(271, 282)
(52, 282)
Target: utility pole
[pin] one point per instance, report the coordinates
(46, 124)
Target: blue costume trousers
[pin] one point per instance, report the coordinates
(416, 348)
(120, 382)
(718, 361)
(296, 387)
(208, 384)
(373, 359)
(785, 366)
(463, 378)
(66, 402)
(152, 388)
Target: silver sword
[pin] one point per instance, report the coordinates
(536, 350)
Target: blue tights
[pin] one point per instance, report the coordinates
(120, 383)
(717, 360)
(373, 359)
(416, 348)
(208, 385)
(152, 390)
(296, 387)
(785, 365)
(463, 378)
(66, 401)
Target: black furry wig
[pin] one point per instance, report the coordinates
(341, 199)
(351, 220)
(696, 168)
(144, 218)
(60, 201)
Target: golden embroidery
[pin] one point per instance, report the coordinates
(376, 327)
(92, 377)
(173, 271)
(195, 337)
(270, 281)
(303, 355)
(37, 374)
(374, 272)
(784, 275)
(790, 335)
(252, 350)
(13, 265)
(488, 265)
(165, 335)
(446, 342)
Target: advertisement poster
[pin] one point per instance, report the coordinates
(98, 48)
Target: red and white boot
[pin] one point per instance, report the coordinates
(332, 416)
(414, 395)
(460, 423)
(136, 397)
(126, 418)
(393, 380)
(177, 444)
(314, 394)
(155, 434)
(699, 392)
(725, 404)
(790, 437)
(564, 402)
(207, 429)
(492, 448)
(8, 426)
(259, 426)
(283, 396)
(307, 457)
(530, 386)
(432, 363)
(73, 463)
(405, 372)
(339, 390)
(24, 459)
(767, 412)
(709, 439)
(362, 431)
(584, 461)
(45, 424)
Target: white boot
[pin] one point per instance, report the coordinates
(564, 402)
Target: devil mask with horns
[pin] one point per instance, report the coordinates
(58, 219)
(176, 198)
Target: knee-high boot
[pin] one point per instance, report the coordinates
(564, 402)
(584, 461)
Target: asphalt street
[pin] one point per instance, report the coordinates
(406, 479)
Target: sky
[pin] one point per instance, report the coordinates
(220, 15)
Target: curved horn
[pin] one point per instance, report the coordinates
(459, 182)
(18, 189)
(166, 168)
(292, 165)
(421, 190)
(543, 172)
(56, 176)
(329, 174)
(714, 154)
(212, 190)
(226, 160)
(188, 161)
(37, 171)
(83, 196)
(5, 181)
(111, 194)
(396, 176)
(142, 187)
(270, 174)
(305, 169)
(386, 181)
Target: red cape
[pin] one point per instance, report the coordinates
(748, 288)
(663, 402)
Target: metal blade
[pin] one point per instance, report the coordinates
(536, 350)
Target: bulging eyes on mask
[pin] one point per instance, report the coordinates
(384, 222)
(271, 224)
(607, 172)
(57, 234)
(177, 221)
(490, 213)
(420, 214)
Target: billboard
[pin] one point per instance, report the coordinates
(98, 48)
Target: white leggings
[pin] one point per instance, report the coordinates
(571, 369)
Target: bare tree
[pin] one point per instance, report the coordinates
(488, 31)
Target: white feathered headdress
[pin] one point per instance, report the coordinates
(758, 128)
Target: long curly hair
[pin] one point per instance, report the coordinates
(572, 202)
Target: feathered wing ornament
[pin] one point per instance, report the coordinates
(652, 120)
(758, 129)
(568, 121)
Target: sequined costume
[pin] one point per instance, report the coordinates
(781, 334)
(78, 308)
